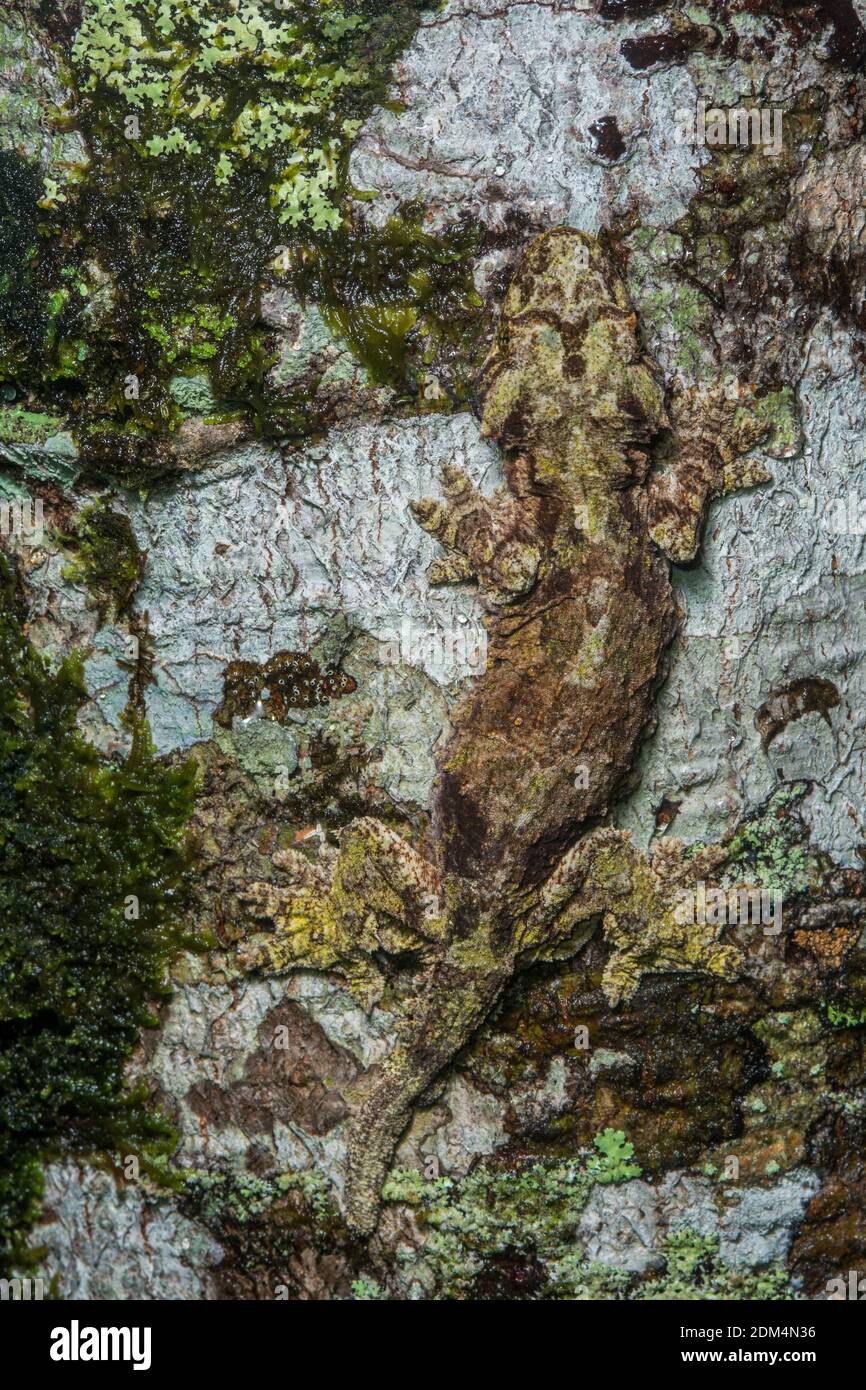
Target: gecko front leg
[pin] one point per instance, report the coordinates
(485, 538)
(714, 429)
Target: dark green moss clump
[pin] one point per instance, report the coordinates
(22, 312)
(108, 560)
(402, 298)
(94, 878)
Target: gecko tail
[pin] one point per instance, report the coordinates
(451, 1008)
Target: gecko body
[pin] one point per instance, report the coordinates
(572, 563)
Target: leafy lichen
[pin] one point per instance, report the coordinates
(694, 1270)
(490, 1218)
(514, 1234)
(771, 849)
(615, 1161)
(275, 84)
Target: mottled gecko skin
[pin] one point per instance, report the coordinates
(581, 616)
(569, 562)
(574, 661)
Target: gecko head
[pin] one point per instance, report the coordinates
(566, 364)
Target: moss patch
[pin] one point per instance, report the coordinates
(93, 881)
(216, 138)
(19, 426)
(281, 86)
(108, 561)
(402, 298)
(22, 308)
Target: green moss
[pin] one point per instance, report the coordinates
(19, 426)
(402, 298)
(93, 883)
(22, 304)
(151, 261)
(216, 138)
(108, 561)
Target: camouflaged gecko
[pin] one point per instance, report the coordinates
(571, 564)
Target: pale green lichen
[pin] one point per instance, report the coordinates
(243, 1198)
(670, 307)
(771, 849)
(247, 80)
(489, 1215)
(694, 1270)
(845, 1017)
(614, 1163)
(366, 1290)
(515, 1234)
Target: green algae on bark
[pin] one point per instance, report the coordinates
(108, 560)
(94, 878)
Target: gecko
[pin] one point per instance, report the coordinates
(572, 561)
